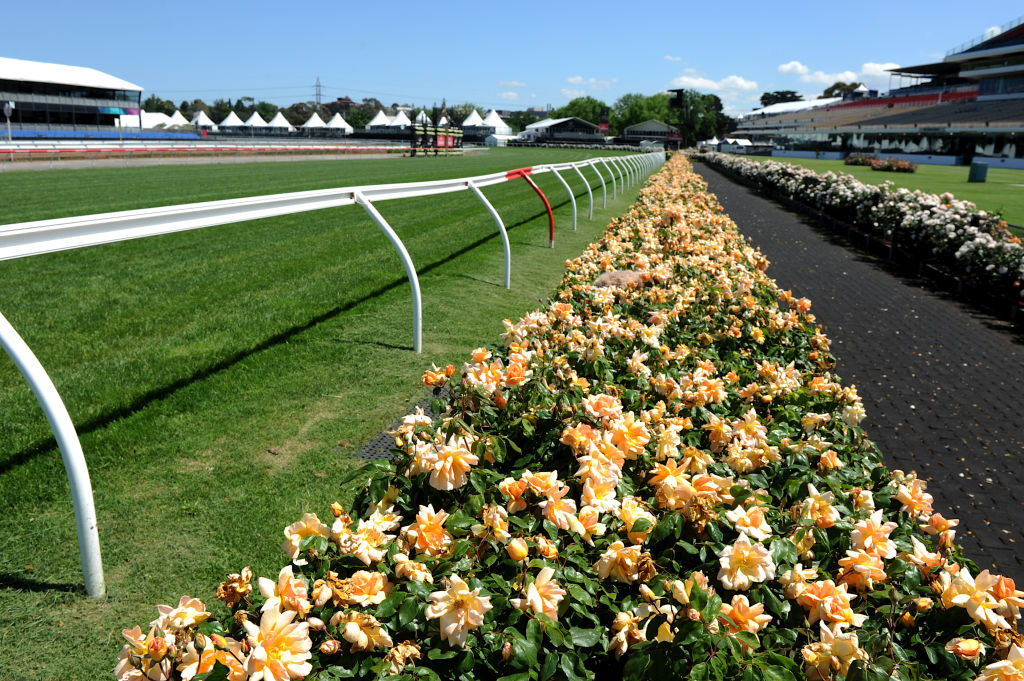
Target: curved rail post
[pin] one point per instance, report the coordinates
(635, 165)
(611, 173)
(417, 302)
(70, 451)
(622, 176)
(501, 228)
(551, 216)
(572, 197)
(590, 194)
(604, 189)
(628, 180)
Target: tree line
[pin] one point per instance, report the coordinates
(699, 115)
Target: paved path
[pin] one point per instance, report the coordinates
(943, 385)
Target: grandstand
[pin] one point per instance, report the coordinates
(968, 106)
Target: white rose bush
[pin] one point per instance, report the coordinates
(663, 479)
(965, 242)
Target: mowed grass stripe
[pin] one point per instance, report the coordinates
(230, 373)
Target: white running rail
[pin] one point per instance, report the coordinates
(25, 239)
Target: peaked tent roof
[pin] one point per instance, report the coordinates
(279, 121)
(231, 121)
(380, 119)
(338, 122)
(256, 120)
(61, 74)
(650, 124)
(202, 120)
(473, 119)
(400, 120)
(443, 121)
(178, 119)
(314, 122)
(423, 118)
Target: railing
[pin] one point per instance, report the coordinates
(47, 236)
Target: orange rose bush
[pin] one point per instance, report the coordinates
(661, 479)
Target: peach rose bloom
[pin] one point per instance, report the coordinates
(966, 648)
(630, 512)
(542, 596)
(630, 436)
(750, 521)
(545, 547)
(861, 570)
(306, 526)
(369, 588)
(619, 562)
(540, 483)
(288, 593)
(452, 462)
(973, 594)
(363, 631)
(602, 406)
(459, 609)
(279, 647)
(872, 536)
(744, 564)
(427, 534)
(495, 522)
(513, 489)
(1010, 669)
(517, 549)
(794, 581)
(743, 615)
(411, 570)
(588, 524)
(915, 500)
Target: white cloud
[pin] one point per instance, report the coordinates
(591, 83)
(727, 84)
(533, 95)
(670, 58)
(570, 93)
(510, 96)
(872, 74)
(511, 83)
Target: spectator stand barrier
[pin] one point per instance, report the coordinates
(47, 236)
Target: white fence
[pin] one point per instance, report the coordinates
(47, 236)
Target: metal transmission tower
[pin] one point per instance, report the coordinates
(319, 93)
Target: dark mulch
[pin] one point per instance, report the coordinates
(943, 384)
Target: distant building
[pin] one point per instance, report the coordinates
(56, 96)
(652, 130)
(566, 130)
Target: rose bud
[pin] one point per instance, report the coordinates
(517, 549)
(330, 646)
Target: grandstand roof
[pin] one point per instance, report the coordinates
(790, 107)
(61, 74)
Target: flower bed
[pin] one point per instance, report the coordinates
(657, 475)
(893, 165)
(955, 235)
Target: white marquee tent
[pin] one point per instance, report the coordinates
(472, 119)
(256, 120)
(314, 122)
(400, 121)
(381, 119)
(178, 119)
(279, 121)
(493, 120)
(338, 123)
(232, 121)
(201, 120)
(422, 118)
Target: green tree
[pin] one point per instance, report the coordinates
(630, 109)
(266, 110)
(779, 96)
(220, 109)
(518, 120)
(154, 104)
(587, 108)
(838, 89)
(699, 116)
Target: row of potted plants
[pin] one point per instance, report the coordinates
(655, 475)
(954, 234)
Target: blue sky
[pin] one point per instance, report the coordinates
(494, 54)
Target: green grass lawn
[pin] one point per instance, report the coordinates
(221, 379)
(1003, 192)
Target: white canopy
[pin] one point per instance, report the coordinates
(443, 122)
(178, 119)
(314, 122)
(790, 107)
(203, 121)
(380, 119)
(472, 119)
(232, 121)
(279, 121)
(256, 120)
(338, 122)
(400, 120)
(493, 120)
(422, 118)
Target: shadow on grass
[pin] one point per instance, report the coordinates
(158, 394)
(22, 583)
